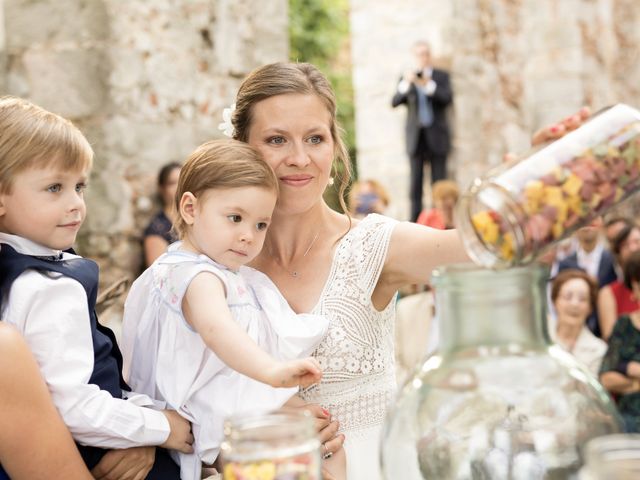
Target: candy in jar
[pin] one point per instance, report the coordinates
(510, 215)
(274, 446)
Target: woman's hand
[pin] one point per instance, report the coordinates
(557, 130)
(326, 427)
(126, 464)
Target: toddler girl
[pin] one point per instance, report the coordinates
(198, 324)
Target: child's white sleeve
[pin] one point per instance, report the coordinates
(52, 315)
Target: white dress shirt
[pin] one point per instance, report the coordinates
(590, 261)
(50, 310)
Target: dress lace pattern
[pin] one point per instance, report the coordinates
(357, 354)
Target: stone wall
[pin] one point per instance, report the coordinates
(145, 80)
(515, 65)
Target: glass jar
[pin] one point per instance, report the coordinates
(274, 446)
(509, 216)
(498, 400)
(612, 456)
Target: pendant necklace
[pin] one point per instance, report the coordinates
(294, 273)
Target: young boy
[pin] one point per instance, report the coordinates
(49, 293)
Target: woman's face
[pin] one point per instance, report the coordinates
(293, 133)
(168, 190)
(573, 302)
(630, 245)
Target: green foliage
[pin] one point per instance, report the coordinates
(319, 34)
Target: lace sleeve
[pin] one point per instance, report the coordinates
(368, 248)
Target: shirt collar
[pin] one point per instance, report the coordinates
(27, 247)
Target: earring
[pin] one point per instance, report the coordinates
(331, 181)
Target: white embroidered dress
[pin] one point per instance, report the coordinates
(357, 354)
(165, 358)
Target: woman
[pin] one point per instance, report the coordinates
(328, 263)
(616, 299)
(34, 442)
(157, 235)
(445, 194)
(573, 293)
(620, 372)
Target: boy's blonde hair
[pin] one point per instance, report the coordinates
(32, 137)
(222, 164)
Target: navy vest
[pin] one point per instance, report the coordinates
(107, 365)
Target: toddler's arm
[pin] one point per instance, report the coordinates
(52, 314)
(205, 308)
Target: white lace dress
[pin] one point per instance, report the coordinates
(357, 354)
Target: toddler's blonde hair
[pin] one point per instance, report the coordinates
(32, 137)
(220, 164)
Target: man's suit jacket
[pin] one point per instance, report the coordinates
(438, 133)
(606, 268)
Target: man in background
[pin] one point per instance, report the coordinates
(426, 91)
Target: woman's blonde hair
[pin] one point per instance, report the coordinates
(222, 164)
(32, 137)
(283, 78)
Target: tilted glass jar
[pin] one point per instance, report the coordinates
(511, 214)
(497, 401)
(274, 446)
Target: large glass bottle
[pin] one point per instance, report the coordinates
(497, 401)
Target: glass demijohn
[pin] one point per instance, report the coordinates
(497, 401)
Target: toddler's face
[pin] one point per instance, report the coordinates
(229, 225)
(45, 206)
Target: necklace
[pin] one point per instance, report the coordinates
(294, 273)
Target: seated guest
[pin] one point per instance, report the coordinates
(444, 196)
(616, 299)
(367, 196)
(613, 226)
(592, 256)
(574, 293)
(620, 372)
(158, 234)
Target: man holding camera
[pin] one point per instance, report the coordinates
(426, 91)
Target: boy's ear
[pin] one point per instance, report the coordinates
(188, 205)
(3, 210)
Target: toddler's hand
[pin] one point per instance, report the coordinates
(296, 373)
(180, 438)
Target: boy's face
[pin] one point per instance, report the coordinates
(45, 206)
(228, 225)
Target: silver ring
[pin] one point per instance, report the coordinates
(327, 453)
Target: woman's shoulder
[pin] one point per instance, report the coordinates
(589, 341)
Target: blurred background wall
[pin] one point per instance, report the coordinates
(515, 66)
(145, 80)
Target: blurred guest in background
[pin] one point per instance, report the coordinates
(367, 196)
(593, 256)
(426, 91)
(574, 293)
(613, 226)
(158, 235)
(620, 372)
(616, 298)
(444, 195)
